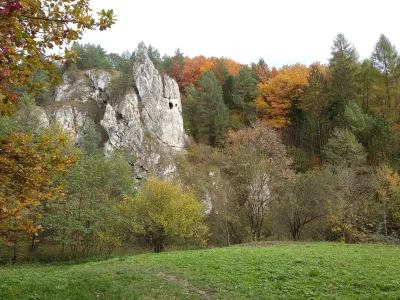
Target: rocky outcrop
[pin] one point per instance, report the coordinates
(69, 117)
(43, 119)
(146, 122)
(122, 123)
(161, 108)
(99, 80)
(74, 88)
(83, 87)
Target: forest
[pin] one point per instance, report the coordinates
(301, 152)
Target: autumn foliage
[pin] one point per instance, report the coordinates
(162, 210)
(29, 168)
(279, 93)
(28, 28)
(195, 67)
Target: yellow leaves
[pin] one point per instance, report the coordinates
(396, 217)
(27, 178)
(390, 181)
(164, 208)
(391, 177)
(232, 66)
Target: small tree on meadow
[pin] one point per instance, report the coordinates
(162, 210)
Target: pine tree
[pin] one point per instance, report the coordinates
(313, 126)
(343, 69)
(244, 92)
(211, 119)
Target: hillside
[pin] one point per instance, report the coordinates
(285, 271)
(102, 152)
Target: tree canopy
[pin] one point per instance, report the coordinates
(162, 210)
(28, 28)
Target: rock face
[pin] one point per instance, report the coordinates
(161, 108)
(123, 125)
(83, 88)
(146, 122)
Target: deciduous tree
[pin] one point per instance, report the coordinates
(303, 200)
(29, 167)
(279, 93)
(86, 220)
(257, 165)
(162, 210)
(28, 28)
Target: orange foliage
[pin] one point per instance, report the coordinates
(195, 67)
(279, 92)
(175, 71)
(28, 28)
(232, 66)
(263, 74)
(274, 72)
(241, 135)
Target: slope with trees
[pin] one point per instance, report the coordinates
(300, 151)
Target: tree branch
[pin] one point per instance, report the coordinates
(55, 20)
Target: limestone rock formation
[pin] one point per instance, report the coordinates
(43, 119)
(80, 88)
(146, 123)
(160, 102)
(122, 124)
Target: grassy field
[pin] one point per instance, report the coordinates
(287, 271)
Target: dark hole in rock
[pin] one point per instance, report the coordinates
(119, 116)
(171, 105)
(176, 105)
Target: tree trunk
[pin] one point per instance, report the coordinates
(384, 217)
(227, 232)
(14, 258)
(158, 245)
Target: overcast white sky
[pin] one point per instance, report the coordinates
(281, 32)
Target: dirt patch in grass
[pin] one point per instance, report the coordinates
(270, 243)
(185, 284)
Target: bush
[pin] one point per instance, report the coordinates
(162, 210)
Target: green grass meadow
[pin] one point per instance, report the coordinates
(286, 271)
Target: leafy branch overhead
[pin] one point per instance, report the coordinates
(28, 28)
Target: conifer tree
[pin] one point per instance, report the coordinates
(385, 58)
(343, 69)
(211, 119)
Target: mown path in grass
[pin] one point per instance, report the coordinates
(295, 271)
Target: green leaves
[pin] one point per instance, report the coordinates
(343, 149)
(208, 112)
(87, 218)
(385, 56)
(30, 163)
